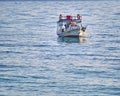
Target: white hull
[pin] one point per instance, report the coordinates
(69, 33)
(73, 33)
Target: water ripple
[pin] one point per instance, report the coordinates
(35, 62)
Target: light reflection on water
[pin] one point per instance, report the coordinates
(72, 39)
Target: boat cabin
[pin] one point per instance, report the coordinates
(69, 23)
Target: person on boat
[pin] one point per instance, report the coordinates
(78, 16)
(72, 22)
(63, 27)
(60, 17)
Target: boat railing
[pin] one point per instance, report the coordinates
(70, 17)
(68, 27)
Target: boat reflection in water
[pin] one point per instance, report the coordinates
(72, 39)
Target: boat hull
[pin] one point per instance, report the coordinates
(69, 33)
(73, 33)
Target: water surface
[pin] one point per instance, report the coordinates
(34, 61)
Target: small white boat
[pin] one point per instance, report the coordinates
(70, 26)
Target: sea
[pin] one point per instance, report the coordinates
(34, 61)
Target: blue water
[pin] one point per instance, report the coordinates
(34, 61)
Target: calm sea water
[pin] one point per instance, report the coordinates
(34, 61)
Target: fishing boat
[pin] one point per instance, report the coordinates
(70, 26)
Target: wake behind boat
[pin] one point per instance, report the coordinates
(70, 26)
